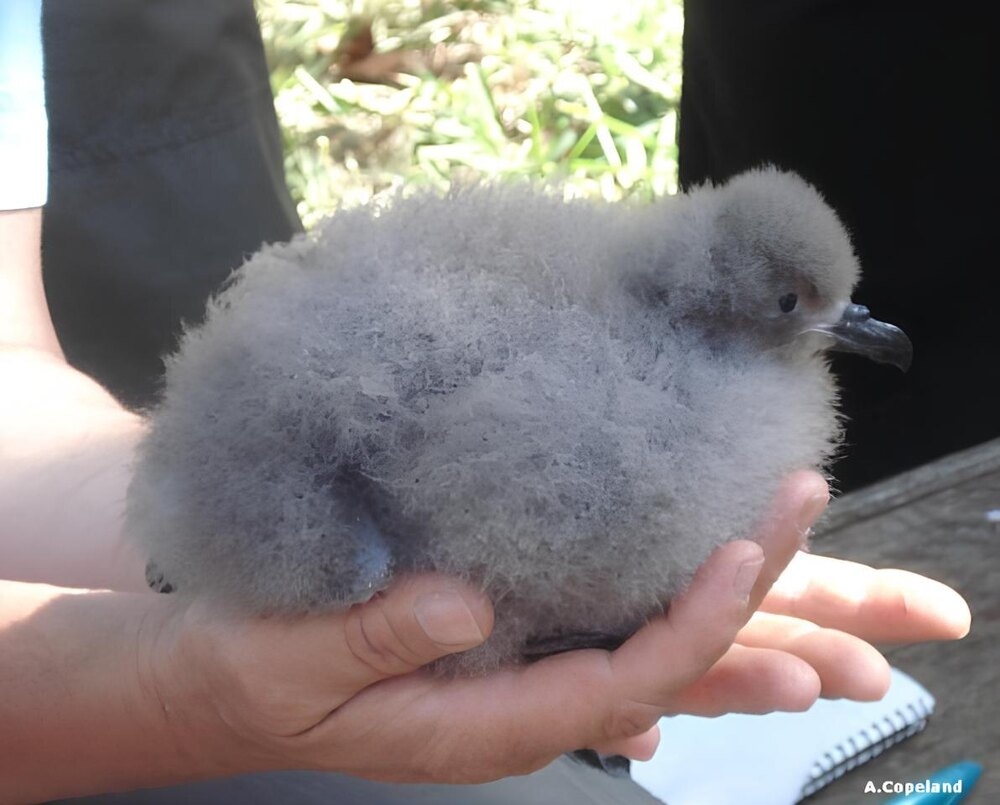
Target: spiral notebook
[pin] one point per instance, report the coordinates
(779, 758)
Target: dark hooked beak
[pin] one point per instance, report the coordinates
(858, 332)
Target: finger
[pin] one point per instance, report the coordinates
(672, 652)
(517, 721)
(801, 498)
(417, 620)
(751, 680)
(880, 606)
(639, 747)
(848, 667)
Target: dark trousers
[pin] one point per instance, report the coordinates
(564, 782)
(166, 172)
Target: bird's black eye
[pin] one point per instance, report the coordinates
(787, 302)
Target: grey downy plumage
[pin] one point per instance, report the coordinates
(570, 404)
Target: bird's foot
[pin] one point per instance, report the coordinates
(156, 580)
(541, 647)
(615, 765)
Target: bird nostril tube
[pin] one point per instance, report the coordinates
(858, 332)
(856, 313)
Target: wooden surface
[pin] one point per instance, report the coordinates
(935, 521)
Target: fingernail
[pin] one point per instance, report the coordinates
(447, 620)
(811, 511)
(746, 578)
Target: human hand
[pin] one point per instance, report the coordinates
(826, 612)
(343, 692)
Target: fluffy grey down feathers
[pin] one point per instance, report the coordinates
(571, 404)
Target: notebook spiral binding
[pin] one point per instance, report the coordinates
(868, 743)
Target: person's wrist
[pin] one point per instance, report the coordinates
(177, 684)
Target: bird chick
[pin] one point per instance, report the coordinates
(568, 404)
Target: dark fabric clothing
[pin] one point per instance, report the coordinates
(166, 172)
(890, 109)
(563, 782)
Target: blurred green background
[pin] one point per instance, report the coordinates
(381, 94)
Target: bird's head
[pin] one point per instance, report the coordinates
(774, 263)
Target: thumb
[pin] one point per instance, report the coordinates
(284, 675)
(417, 620)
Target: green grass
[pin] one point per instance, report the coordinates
(584, 92)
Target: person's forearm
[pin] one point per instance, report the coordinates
(62, 496)
(66, 446)
(78, 709)
(24, 314)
